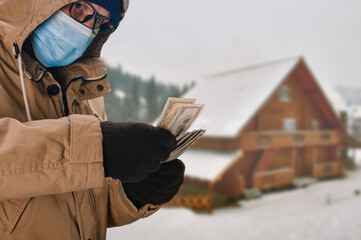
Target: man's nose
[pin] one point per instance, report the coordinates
(89, 23)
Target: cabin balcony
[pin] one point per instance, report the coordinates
(251, 141)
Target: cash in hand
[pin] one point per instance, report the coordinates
(177, 116)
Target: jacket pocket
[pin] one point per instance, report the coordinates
(10, 213)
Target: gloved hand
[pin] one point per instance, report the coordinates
(159, 187)
(132, 150)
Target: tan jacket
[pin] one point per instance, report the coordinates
(52, 183)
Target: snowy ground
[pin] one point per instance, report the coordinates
(327, 210)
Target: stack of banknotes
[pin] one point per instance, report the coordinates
(178, 116)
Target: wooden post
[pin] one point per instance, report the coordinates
(293, 161)
(314, 160)
(344, 148)
(293, 158)
(210, 193)
(348, 162)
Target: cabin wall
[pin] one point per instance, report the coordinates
(300, 107)
(218, 143)
(283, 157)
(231, 185)
(247, 165)
(303, 161)
(316, 97)
(326, 154)
(230, 181)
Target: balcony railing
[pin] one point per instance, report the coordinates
(327, 169)
(278, 139)
(273, 179)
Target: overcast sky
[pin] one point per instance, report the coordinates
(181, 40)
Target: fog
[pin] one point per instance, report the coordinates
(180, 41)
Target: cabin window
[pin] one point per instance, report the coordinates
(325, 137)
(263, 141)
(298, 139)
(327, 169)
(315, 125)
(284, 94)
(289, 124)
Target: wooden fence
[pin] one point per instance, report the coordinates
(196, 202)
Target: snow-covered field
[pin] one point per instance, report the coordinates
(327, 210)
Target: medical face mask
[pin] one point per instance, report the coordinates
(60, 40)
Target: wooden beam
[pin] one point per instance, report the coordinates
(252, 141)
(266, 159)
(314, 159)
(293, 158)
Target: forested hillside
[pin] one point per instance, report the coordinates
(136, 99)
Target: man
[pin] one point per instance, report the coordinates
(63, 173)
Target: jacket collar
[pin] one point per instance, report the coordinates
(90, 72)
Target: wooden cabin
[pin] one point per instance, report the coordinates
(278, 120)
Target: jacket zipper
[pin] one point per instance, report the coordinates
(65, 102)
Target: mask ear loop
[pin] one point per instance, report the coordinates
(21, 73)
(94, 112)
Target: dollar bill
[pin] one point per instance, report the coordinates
(184, 118)
(177, 116)
(182, 145)
(171, 109)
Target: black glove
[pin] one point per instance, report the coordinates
(159, 187)
(132, 150)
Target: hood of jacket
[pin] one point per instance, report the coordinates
(19, 18)
(85, 79)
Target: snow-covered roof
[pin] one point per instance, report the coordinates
(206, 164)
(232, 98)
(336, 101)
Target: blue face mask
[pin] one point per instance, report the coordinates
(60, 40)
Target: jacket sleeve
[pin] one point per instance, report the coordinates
(50, 156)
(121, 210)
